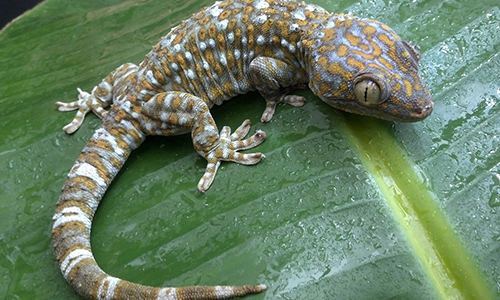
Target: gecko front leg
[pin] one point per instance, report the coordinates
(172, 113)
(227, 150)
(274, 79)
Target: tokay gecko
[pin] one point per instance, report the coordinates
(230, 48)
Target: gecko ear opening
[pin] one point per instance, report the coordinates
(368, 92)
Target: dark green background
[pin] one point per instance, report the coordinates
(343, 207)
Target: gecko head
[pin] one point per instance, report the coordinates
(365, 68)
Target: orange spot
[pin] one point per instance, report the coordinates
(369, 30)
(409, 89)
(364, 47)
(158, 75)
(329, 34)
(231, 24)
(359, 65)
(385, 63)
(266, 27)
(212, 31)
(343, 51)
(205, 20)
(202, 34)
(248, 9)
(199, 15)
(354, 40)
(173, 119)
(323, 88)
(386, 40)
(396, 88)
(180, 59)
(224, 15)
(145, 84)
(179, 37)
(364, 55)
(175, 104)
(323, 62)
(376, 49)
(335, 68)
(270, 11)
(221, 41)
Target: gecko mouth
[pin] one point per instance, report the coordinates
(421, 113)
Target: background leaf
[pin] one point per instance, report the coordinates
(343, 207)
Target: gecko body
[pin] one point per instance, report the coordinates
(229, 48)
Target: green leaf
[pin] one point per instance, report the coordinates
(343, 207)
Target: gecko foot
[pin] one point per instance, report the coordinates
(84, 104)
(292, 100)
(227, 150)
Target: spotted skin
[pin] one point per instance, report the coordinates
(230, 48)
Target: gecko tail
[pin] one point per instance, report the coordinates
(100, 160)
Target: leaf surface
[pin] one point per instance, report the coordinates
(343, 207)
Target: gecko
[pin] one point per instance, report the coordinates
(232, 47)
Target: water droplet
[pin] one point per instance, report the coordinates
(495, 191)
(494, 199)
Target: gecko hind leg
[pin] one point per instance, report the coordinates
(100, 98)
(227, 150)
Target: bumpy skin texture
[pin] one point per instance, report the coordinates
(230, 48)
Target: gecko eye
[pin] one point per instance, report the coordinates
(368, 92)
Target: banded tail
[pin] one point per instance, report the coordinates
(97, 165)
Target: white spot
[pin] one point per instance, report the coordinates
(237, 54)
(292, 48)
(151, 78)
(223, 291)
(215, 11)
(73, 259)
(110, 291)
(222, 59)
(244, 41)
(80, 195)
(164, 116)
(148, 126)
(183, 119)
(206, 66)
(261, 19)
(167, 294)
(319, 35)
(177, 48)
(230, 37)
(88, 170)
(299, 14)
(202, 46)
(261, 4)
(211, 43)
(178, 79)
(72, 214)
(103, 134)
(261, 40)
(330, 24)
(341, 18)
(175, 66)
(222, 25)
(190, 74)
(188, 56)
(294, 27)
(127, 124)
(226, 152)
